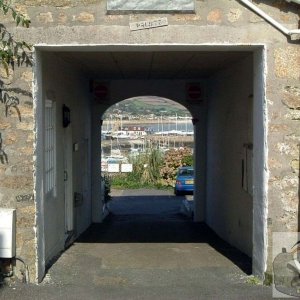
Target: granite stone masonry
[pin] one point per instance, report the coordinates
(63, 24)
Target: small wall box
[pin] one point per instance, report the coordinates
(7, 233)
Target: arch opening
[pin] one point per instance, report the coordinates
(144, 140)
(141, 125)
(223, 129)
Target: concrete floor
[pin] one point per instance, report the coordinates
(146, 249)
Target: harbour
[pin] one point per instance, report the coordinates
(124, 141)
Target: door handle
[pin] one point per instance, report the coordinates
(65, 175)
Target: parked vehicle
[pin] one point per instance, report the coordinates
(184, 181)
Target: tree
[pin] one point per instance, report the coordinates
(12, 53)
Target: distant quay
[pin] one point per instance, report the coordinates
(146, 121)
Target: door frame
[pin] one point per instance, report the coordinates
(68, 183)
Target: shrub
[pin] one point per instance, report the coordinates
(151, 173)
(188, 160)
(107, 188)
(154, 169)
(174, 159)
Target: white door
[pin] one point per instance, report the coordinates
(68, 181)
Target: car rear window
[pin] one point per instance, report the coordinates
(186, 172)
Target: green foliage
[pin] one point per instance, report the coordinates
(153, 169)
(188, 160)
(141, 107)
(18, 17)
(107, 188)
(12, 51)
(174, 159)
(268, 279)
(145, 172)
(253, 280)
(126, 181)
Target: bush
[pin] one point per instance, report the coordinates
(107, 188)
(145, 172)
(154, 169)
(174, 159)
(188, 160)
(127, 181)
(151, 173)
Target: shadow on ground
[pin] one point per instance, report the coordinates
(157, 219)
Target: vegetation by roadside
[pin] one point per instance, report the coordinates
(153, 169)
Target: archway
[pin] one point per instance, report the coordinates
(144, 141)
(167, 89)
(220, 82)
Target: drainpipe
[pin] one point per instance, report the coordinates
(277, 25)
(295, 1)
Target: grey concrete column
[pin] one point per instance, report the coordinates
(200, 165)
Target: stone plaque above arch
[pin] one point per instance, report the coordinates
(150, 6)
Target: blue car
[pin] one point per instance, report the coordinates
(184, 181)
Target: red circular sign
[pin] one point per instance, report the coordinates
(194, 92)
(100, 91)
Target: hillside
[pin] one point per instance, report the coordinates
(148, 105)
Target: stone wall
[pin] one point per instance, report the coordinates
(16, 167)
(283, 95)
(60, 22)
(284, 133)
(45, 13)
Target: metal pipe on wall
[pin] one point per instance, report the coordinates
(265, 16)
(295, 1)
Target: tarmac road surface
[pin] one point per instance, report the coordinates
(146, 249)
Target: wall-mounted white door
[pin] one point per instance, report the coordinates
(68, 181)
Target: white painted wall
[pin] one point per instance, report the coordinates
(260, 165)
(63, 83)
(229, 207)
(39, 169)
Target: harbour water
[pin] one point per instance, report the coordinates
(160, 135)
(157, 127)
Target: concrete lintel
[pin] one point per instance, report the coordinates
(148, 47)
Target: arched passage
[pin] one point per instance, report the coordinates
(220, 119)
(136, 129)
(170, 89)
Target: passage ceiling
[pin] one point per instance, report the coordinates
(152, 65)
